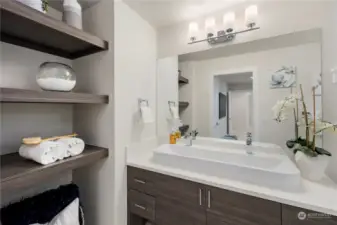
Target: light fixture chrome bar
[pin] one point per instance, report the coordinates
(225, 35)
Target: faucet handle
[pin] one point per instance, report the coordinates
(187, 135)
(249, 134)
(194, 133)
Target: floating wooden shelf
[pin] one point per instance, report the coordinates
(17, 172)
(30, 96)
(183, 105)
(183, 80)
(27, 27)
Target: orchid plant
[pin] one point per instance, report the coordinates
(295, 104)
(44, 5)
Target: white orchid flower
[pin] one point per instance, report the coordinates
(283, 108)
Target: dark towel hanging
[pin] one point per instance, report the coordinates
(41, 208)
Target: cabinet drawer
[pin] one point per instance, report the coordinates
(141, 204)
(235, 208)
(290, 216)
(157, 184)
(141, 180)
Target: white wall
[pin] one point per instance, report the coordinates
(135, 77)
(307, 58)
(275, 18)
(219, 126)
(167, 90)
(329, 89)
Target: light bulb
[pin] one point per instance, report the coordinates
(229, 21)
(210, 25)
(251, 16)
(193, 31)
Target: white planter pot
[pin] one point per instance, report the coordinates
(312, 168)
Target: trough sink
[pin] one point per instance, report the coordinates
(271, 169)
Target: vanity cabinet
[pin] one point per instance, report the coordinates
(230, 208)
(166, 200)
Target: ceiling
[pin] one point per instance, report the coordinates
(237, 78)
(166, 12)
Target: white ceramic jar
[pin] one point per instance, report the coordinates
(72, 13)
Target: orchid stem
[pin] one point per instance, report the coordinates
(307, 134)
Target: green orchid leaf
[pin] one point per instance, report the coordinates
(322, 151)
(290, 143)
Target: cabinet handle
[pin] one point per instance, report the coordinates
(140, 207)
(200, 196)
(139, 181)
(209, 199)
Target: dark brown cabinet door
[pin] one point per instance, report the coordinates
(180, 190)
(173, 212)
(296, 216)
(232, 208)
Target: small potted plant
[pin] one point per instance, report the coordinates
(44, 5)
(40, 5)
(310, 159)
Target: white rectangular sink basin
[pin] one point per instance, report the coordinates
(274, 170)
(236, 145)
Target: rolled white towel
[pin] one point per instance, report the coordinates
(44, 153)
(74, 146)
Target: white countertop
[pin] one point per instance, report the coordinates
(321, 197)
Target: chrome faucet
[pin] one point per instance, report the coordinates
(194, 134)
(189, 138)
(249, 141)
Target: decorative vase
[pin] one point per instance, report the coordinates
(312, 168)
(72, 13)
(55, 76)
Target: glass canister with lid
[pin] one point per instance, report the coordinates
(54, 76)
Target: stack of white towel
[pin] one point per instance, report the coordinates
(50, 151)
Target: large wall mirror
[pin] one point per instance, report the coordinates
(226, 92)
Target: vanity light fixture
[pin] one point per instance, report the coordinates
(210, 27)
(229, 22)
(193, 31)
(228, 32)
(251, 16)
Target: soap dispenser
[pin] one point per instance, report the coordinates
(173, 137)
